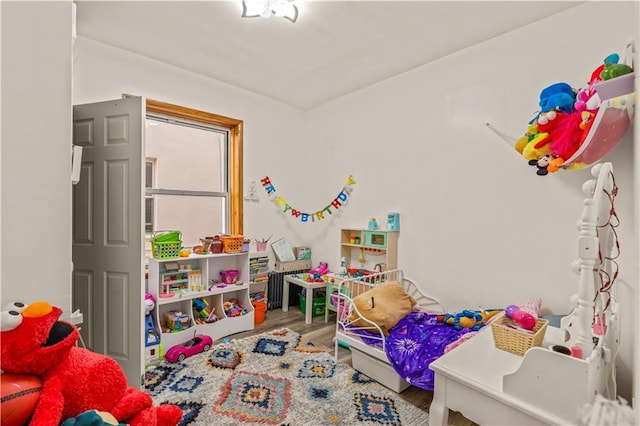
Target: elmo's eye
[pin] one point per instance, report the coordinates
(15, 306)
(10, 320)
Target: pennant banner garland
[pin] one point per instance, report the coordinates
(317, 216)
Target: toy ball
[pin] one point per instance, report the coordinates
(523, 318)
(509, 310)
(20, 394)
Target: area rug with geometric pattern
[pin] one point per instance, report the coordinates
(275, 378)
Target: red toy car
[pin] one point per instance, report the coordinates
(199, 343)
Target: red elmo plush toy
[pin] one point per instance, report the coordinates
(74, 380)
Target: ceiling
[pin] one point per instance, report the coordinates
(335, 47)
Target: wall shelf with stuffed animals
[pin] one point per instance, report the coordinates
(576, 128)
(200, 294)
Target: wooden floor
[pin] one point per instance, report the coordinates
(322, 334)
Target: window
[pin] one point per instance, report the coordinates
(149, 201)
(193, 173)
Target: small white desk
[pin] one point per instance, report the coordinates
(469, 379)
(309, 287)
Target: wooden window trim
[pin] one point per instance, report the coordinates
(235, 148)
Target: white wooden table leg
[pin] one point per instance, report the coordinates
(438, 412)
(285, 295)
(307, 317)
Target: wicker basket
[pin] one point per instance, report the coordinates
(515, 341)
(232, 243)
(162, 249)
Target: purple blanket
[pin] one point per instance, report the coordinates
(415, 342)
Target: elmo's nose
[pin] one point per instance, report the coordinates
(37, 309)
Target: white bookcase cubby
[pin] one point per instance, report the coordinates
(176, 283)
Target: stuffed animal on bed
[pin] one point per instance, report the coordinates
(74, 380)
(473, 320)
(384, 305)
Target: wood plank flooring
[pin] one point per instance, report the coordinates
(321, 334)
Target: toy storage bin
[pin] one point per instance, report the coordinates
(317, 305)
(166, 244)
(259, 310)
(515, 341)
(232, 243)
(614, 87)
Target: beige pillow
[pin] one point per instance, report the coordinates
(384, 305)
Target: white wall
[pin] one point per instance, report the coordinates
(478, 227)
(36, 152)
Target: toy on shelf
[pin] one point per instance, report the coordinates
(151, 335)
(524, 318)
(343, 266)
(232, 308)
(195, 280)
(393, 221)
(205, 311)
(230, 276)
(176, 321)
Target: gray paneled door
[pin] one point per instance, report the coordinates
(108, 230)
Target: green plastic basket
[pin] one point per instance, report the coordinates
(317, 305)
(161, 248)
(164, 236)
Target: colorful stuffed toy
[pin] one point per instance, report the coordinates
(232, 308)
(557, 97)
(74, 380)
(93, 418)
(474, 320)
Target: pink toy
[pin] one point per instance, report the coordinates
(525, 319)
(149, 303)
(321, 269)
(230, 276)
(199, 343)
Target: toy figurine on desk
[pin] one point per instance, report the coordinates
(343, 267)
(316, 274)
(152, 337)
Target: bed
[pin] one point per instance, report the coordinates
(491, 386)
(391, 359)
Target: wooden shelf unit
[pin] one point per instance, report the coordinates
(377, 247)
(374, 246)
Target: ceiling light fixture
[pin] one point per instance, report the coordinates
(266, 8)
